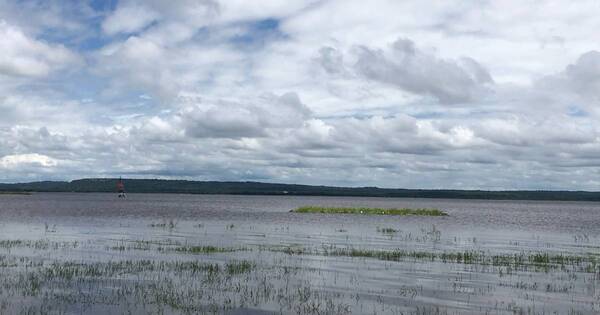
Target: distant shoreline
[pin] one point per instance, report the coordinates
(15, 193)
(108, 185)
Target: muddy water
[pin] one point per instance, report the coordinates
(102, 229)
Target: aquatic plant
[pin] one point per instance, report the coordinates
(200, 249)
(387, 230)
(237, 267)
(539, 261)
(171, 224)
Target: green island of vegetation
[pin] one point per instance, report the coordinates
(380, 211)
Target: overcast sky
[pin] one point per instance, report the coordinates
(466, 94)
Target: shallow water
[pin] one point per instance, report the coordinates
(87, 229)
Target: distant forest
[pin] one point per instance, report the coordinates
(257, 188)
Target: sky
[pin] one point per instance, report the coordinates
(408, 94)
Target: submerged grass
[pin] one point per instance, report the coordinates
(538, 260)
(169, 246)
(364, 210)
(207, 249)
(239, 267)
(386, 230)
(37, 244)
(161, 287)
(178, 284)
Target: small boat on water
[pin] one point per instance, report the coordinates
(121, 188)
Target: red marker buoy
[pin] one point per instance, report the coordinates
(121, 188)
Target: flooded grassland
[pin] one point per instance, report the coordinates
(171, 254)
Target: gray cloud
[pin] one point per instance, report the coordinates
(412, 70)
(182, 90)
(249, 120)
(331, 60)
(581, 78)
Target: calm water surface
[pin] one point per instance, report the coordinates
(104, 229)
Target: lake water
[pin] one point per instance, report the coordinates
(95, 253)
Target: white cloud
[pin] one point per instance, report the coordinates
(129, 18)
(24, 56)
(133, 16)
(31, 159)
(389, 93)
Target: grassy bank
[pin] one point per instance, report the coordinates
(372, 211)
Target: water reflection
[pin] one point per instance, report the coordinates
(288, 250)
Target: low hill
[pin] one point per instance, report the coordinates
(257, 188)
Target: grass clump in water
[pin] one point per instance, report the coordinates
(387, 230)
(204, 249)
(239, 267)
(171, 224)
(364, 210)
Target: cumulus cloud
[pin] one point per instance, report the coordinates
(244, 120)
(452, 95)
(160, 69)
(31, 159)
(580, 78)
(28, 57)
(406, 67)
